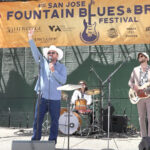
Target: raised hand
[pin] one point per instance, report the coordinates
(30, 33)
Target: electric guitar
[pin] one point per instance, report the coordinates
(143, 92)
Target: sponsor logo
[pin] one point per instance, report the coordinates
(54, 28)
(112, 33)
(147, 29)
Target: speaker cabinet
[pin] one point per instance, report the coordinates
(117, 123)
(145, 144)
(33, 145)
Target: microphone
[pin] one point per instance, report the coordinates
(49, 59)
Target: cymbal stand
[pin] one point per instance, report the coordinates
(101, 89)
(94, 124)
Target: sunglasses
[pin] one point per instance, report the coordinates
(141, 56)
(51, 53)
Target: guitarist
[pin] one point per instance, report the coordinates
(139, 76)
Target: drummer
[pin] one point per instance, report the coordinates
(80, 94)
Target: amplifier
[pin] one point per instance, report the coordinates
(117, 123)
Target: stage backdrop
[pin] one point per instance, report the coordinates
(75, 22)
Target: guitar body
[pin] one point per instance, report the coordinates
(144, 92)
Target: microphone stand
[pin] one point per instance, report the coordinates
(39, 98)
(109, 101)
(9, 114)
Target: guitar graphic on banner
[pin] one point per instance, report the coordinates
(89, 34)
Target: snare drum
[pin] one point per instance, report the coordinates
(80, 104)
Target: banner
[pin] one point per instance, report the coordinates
(75, 22)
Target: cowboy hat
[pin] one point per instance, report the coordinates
(53, 48)
(145, 54)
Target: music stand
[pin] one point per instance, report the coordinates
(69, 87)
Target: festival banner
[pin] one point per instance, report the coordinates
(75, 22)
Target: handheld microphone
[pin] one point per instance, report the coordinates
(49, 59)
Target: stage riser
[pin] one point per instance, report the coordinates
(33, 145)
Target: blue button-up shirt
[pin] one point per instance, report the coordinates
(49, 81)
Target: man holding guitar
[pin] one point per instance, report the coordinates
(140, 85)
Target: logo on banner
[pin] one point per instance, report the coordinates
(54, 28)
(89, 34)
(147, 28)
(112, 33)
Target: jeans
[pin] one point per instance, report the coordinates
(53, 107)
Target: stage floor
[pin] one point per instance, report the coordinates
(117, 141)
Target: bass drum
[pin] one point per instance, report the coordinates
(75, 123)
(62, 110)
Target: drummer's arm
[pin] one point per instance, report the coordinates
(74, 97)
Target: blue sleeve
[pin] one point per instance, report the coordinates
(35, 52)
(61, 76)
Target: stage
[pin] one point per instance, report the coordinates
(118, 141)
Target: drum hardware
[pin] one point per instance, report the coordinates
(94, 127)
(68, 87)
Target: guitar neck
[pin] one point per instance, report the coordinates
(89, 15)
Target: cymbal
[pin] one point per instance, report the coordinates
(93, 92)
(69, 87)
(64, 96)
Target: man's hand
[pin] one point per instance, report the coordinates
(51, 67)
(135, 88)
(30, 34)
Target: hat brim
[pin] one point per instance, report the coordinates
(54, 48)
(145, 54)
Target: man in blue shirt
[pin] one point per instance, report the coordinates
(52, 75)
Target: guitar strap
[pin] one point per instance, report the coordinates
(135, 76)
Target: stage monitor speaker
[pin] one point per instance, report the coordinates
(33, 145)
(117, 123)
(145, 144)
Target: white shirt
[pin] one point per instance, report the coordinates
(77, 95)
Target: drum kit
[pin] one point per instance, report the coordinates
(80, 119)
